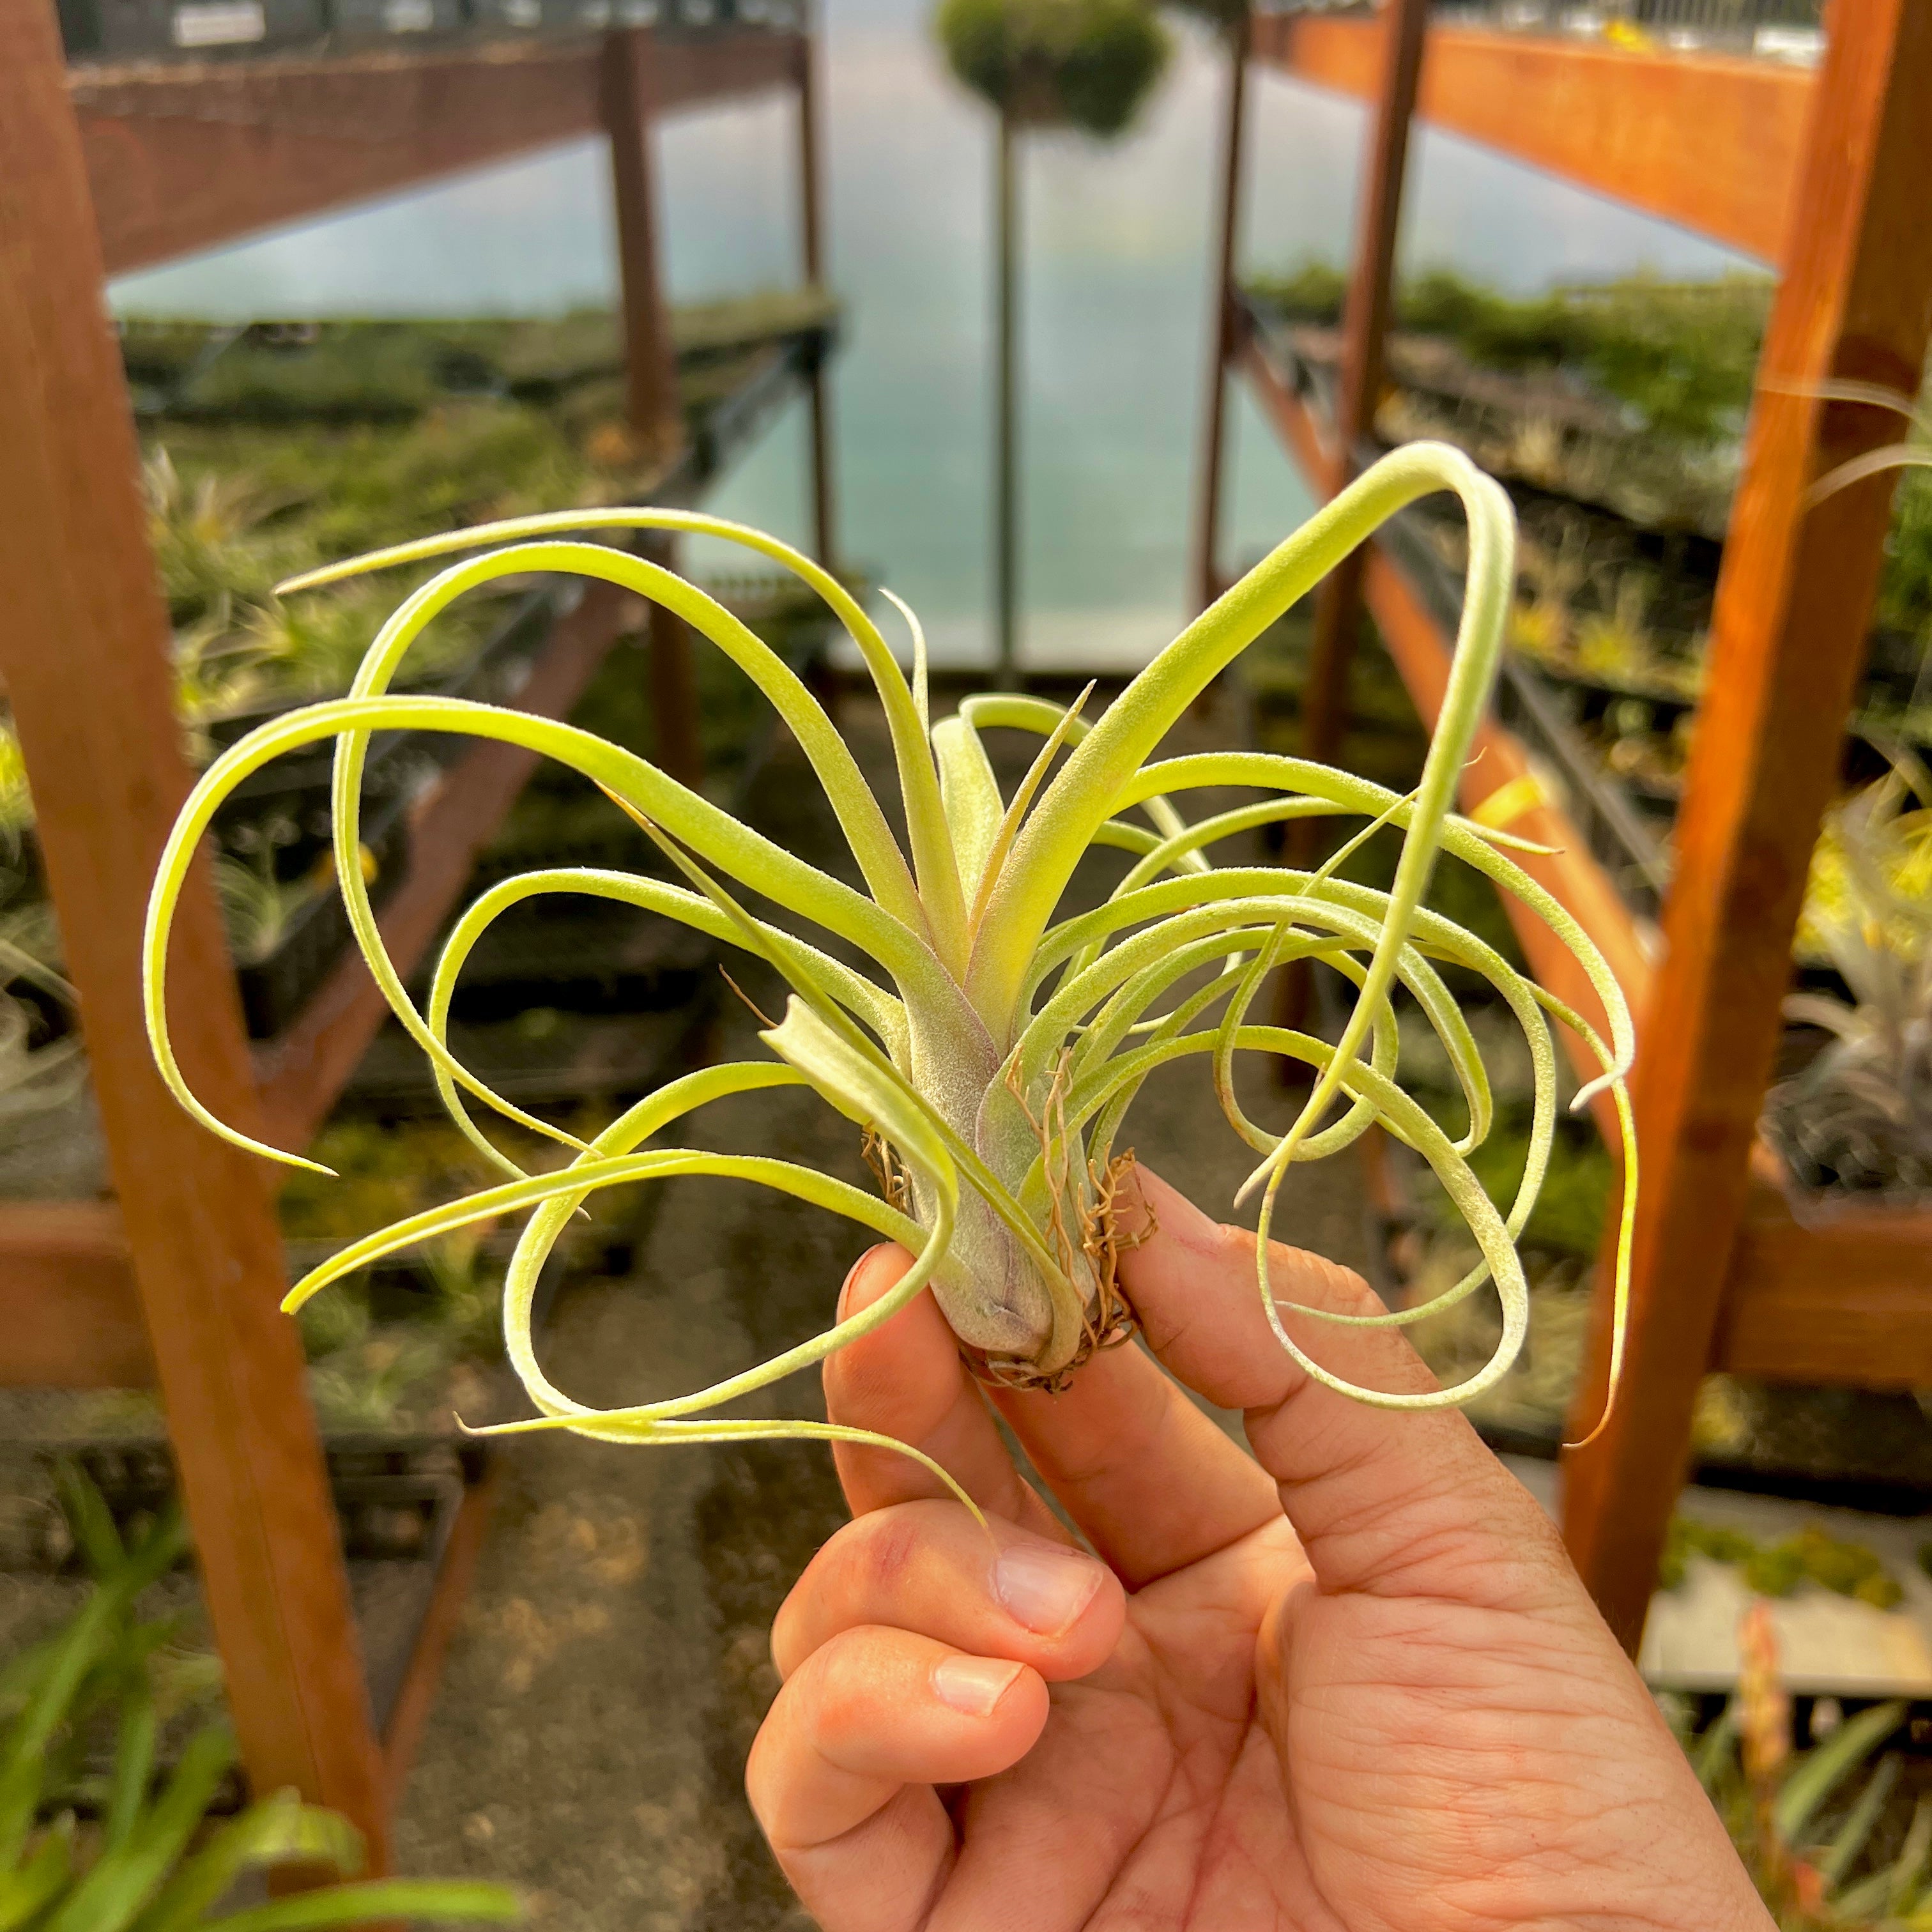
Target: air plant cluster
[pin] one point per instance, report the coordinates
(1860, 1114)
(990, 1047)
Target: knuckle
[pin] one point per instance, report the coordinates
(836, 1689)
(874, 1560)
(867, 1572)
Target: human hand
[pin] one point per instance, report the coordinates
(1353, 1684)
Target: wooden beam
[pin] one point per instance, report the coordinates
(627, 106)
(1365, 320)
(1224, 324)
(1838, 1296)
(652, 403)
(812, 239)
(1709, 142)
(192, 157)
(68, 1306)
(302, 1072)
(1568, 872)
(1309, 444)
(456, 1569)
(1794, 602)
(85, 655)
(1005, 401)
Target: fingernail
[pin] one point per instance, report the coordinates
(1043, 1587)
(974, 1684)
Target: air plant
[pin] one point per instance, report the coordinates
(991, 1077)
(1862, 1111)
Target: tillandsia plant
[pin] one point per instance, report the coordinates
(990, 1076)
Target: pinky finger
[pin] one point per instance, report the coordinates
(841, 1774)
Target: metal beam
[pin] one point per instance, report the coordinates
(1224, 326)
(1365, 321)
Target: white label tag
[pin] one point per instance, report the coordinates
(219, 23)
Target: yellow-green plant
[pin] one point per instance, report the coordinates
(991, 1073)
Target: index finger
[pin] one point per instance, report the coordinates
(1409, 1501)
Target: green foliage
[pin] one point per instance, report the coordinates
(1681, 355)
(1573, 1203)
(1087, 64)
(137, 1851)
(1815, 1829)
(1777, 1569)
(1905, 591)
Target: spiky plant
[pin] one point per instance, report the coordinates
(1860, 1114)
(991, 1074)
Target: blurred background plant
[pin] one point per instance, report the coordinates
(120, 1808)
(1859, 1115)
(1832, 1841)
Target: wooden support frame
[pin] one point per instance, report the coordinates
(1709, 142)
(181, 158)
(812, 251)
(650, 369)
(177, 1283)
(85, 657)
(1365, 321)
(650, 361)
(1730, 1274)
(1224, 323)
(1794, 602)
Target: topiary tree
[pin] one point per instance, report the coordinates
(1083, 64)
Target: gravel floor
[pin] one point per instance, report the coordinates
(588, 1741)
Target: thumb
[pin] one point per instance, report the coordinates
(1398, 1502)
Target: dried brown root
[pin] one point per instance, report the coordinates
(1109, 1318)
(888, 1170)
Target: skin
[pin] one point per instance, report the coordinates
(1350, 1684)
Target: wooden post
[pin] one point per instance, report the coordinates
(812, 234)
(1794, 602)
(650, 357)
(1006, 508)
(656, 415)
(1324, 696)
(678, 750)
(85, 654)
(1222, 327)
